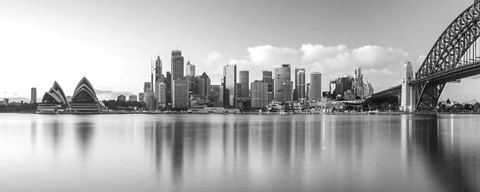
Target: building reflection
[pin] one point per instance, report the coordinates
(84, 133)
(54, 132)
(445, 159)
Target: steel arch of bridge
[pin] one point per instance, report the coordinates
(446, 55)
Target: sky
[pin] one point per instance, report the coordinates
(112, 42)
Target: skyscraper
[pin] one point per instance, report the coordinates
(288, 87)
(230, 85)
(358, 82)
(203, 86)
(158, 70)
(342, 85)
(259, 94)
(168, 82)
(177, 65)
(141, 97)
(161, 95)
(315, 87)
(282, 75)
(190, 69)
(299, 84)
(267, 77)
(244, 79)
(146, 86)
(180, 94)
(33, 95)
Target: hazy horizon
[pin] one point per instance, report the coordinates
(113, 42)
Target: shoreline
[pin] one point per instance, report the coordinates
(250, 113)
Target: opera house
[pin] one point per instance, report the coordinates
(84, 100)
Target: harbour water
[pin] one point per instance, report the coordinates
(134, 152)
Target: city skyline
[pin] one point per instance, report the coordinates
(55, 45)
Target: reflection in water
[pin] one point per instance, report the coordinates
(84, 132)
(252, 153)
(54, 130)
(452, 169)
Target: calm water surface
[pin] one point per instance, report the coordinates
(239, 153)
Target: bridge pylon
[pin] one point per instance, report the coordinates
(409, 92)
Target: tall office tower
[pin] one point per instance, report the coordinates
(146, 86)
(168, 82)
(282, 75)
(141, 97)
(259, 94)
(158, 71)
(267, 77)
(203, 86)
(230, 85)
(33, 95)
(368, 89)
(358, 82)
(161, 95)
(132, 98)
(299, 84)
(215, 95)
(150, 100)
(342, 85)
(177, 65)
(288, 87)
(189, 69)
(307, 94)
(315, 87)
(244, 80)
(180, 94)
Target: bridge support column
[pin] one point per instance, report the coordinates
(408, 92)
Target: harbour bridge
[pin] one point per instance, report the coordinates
(454, 56)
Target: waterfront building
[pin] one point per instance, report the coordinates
(52, 100)
(230, 85)
(288, 87)
(342, 84)
(141, 97)
(33, 95)
(244, 81)
(161, 95)
(189, 69)
(168, 94)
(132, 98)
(299, 84)
(121, 98)
(177, 65)
(358, 82)
(307, 91)
(267, 77)
(147, 86)
(158, 71)
(203, 86)
(315, 89)
(260, 92)
(368, 89)
(84, 99)
(180, 94)
(150, 100)
(215, 95)
(282, 75)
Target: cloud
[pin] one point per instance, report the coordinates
(110, 94)
(381, 65)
